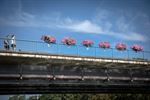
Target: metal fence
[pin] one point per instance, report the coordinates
(77, 50)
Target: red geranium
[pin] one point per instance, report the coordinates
(137, 48)
(68, 41)
(121, 46)
(87, 43)
(104, 45)
(48, 39)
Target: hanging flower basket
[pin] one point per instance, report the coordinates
(68, 41)
(87, 43)
(121, 46)
(136, 48)
(104, 45)
(48, 39)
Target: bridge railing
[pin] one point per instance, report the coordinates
(77, 50)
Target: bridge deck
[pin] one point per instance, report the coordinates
(71, 57)
(28, 72)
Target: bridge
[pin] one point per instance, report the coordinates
(52, 70)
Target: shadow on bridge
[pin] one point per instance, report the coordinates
(25, 72)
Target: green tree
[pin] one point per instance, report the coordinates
(17, 97)
(100, 97)
(83, 97)
(33, 98)
(50, 97)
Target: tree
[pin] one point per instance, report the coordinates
(83, 97)
(17, 97)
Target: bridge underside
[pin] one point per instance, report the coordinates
(66, 88)
(40, 75)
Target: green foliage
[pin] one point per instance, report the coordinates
(100, 97)
(33, 98)
(83, 97)
(50, 97)
(130, 97)
(17, 97)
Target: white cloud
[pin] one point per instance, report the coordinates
(118, 25)
(20, 18)
(25, 19)
(100, 24)
(132, 36)
(86, 26)
(83, 26)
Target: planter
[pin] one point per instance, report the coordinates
(68, 41)
(136, 48)
(48, 39)
(104, 45)
(87, 43)
(121, 46)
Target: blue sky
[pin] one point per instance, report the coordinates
(116, 21)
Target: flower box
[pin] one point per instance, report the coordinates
(48, 39)
(104, 45)
(68, 41)
(136, 48)
(87, 43)
(121, 46)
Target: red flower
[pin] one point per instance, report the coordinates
(137, 48)
(48, 39)
(68, 41)
(87, 43)
(104, 45)
(121, 46)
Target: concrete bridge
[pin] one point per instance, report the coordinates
(32, 72)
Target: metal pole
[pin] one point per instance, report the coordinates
(77, 50)
(82, 73)
(112, 53)
(106, 71)
(130, 70)
(95, 52)
(143, 55)
(36, 46)
(20, 68)
(57, 48)
(128, 54)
